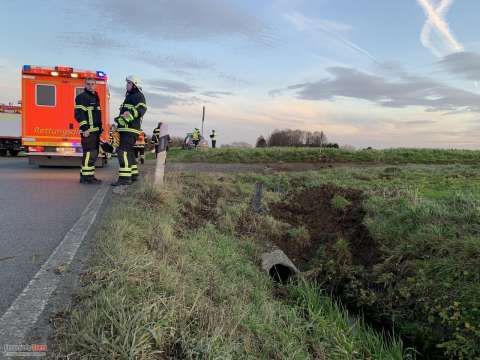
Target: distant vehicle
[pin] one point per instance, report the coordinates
(10, 130)
(188, 142)
(50, 133)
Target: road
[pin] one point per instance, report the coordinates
(38, 206)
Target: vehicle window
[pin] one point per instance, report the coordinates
(78, 91)
(45, 95)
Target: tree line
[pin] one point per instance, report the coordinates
(295, 138)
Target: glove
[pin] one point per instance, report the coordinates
(120, 120)
(106, 147)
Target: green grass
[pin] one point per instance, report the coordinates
(426, 220)
(313, 155)
(164, 286)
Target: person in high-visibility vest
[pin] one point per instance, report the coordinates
(89, 117)
(140, 147)
(213, 137)
(196, 137)
(129, 124)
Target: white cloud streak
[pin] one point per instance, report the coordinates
(436, 20)
(330, 28)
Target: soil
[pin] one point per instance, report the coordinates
(197, 214)
(313, 209)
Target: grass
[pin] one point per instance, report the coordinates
(314, 155)
(164, 284)
(426, 222)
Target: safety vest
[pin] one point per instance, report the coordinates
(141, 140)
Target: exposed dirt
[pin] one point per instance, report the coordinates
(314, 209)
(202, 208)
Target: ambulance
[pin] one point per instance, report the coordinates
(50, 133)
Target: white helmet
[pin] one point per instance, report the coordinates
(135, 80)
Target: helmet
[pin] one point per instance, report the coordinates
(135, 80)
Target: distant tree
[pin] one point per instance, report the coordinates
(297, 138)
(261, 142)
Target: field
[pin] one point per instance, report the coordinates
(315, 155)
(389, 258)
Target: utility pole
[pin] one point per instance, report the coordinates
(203, 119)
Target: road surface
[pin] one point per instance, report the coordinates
(38, 206)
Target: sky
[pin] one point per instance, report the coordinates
(366, 72)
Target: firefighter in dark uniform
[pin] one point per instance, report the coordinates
(139, 147)
(156, 139)
(89, 117)
(129, 123)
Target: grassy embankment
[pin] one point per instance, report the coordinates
(272, 155)
(404, 247)
(175, 275)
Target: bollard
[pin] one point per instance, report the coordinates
(160, 167)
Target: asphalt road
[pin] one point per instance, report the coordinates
(38, 206)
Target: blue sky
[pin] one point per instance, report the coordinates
(367, 72)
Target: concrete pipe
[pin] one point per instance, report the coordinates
(278, 266)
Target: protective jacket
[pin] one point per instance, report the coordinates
(136, 107)
(87, 112)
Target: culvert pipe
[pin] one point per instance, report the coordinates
(278, 266)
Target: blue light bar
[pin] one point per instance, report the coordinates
(101, 74)
(26, 67)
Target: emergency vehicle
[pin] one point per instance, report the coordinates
(50, 133)
(10, 130)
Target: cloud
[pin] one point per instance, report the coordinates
(184, 62)
(404, 91)
(154, 100)
(465, 64)
(436, 20)
(170, 86)
(216, 94)
(330, 28)
(183, 19)
(303, 23)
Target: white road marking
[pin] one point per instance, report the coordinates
(22, 315)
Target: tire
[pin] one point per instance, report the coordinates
(13, 152)
(3, 152)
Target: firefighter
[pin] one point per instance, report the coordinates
(140, 147)
(213, 137)
(129, 123)
(196, 137)
(156, 138)
(89, 117)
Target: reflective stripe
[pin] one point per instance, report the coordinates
(141, 104)
(87, 173)
(87, 160)
(134, 169)
(135, 131)
(81, 107)
(83, 123)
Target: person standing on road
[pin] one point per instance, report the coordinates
(89, 117)
(129, 123)
(213, 137)
(140, 147)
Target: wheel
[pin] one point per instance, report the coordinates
(13, 152)
(3, 152)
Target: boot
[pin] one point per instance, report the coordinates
(122, 181)
(85, 179)
(94, 180)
